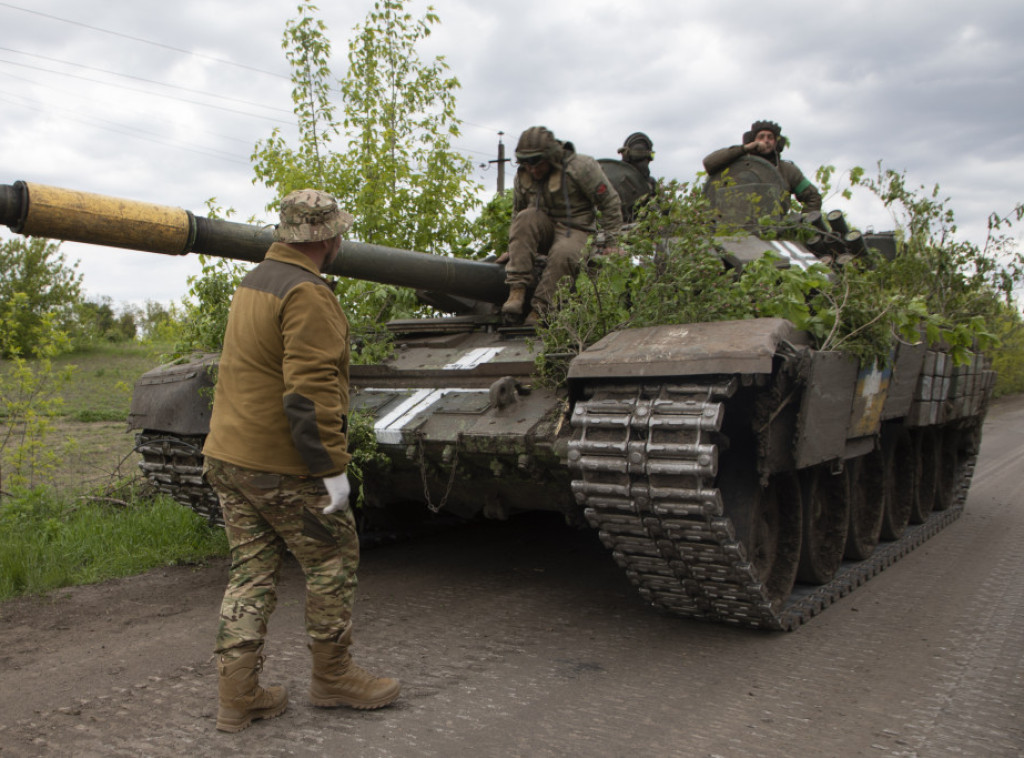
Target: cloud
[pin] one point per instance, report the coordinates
(163, 102)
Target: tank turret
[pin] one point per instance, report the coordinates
(734, 473)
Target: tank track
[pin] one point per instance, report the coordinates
(644, 460)
(174, 466)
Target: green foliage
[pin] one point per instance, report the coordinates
(399, 175)
(38, 294)
(159, 323)
(311, 163)
(29, 398)
(948, 291)
(104, 376)
(206, 309)
(1008, 360)
(367, 458)
(96, 322)
(671, 275)
(47, 541)
(956, 278)
(488, 232)
(406, 185)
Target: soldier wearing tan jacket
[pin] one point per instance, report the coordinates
(276, 456)
(558, 194)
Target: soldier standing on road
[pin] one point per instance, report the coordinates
(765, 140)
(558, 193)
(276, 455)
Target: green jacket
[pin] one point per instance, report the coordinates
(574, 203)
(281, 401)
(794, 178)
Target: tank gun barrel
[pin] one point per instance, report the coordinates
(43, 211)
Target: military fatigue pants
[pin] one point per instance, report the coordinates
(532, 234)
(266, 515)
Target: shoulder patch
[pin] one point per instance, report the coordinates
(602, 188)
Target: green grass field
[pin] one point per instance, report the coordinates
(90, 516)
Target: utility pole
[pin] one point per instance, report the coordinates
(501, 161)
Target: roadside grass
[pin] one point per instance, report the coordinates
(48, 542)
(101, 386)
(91, 518)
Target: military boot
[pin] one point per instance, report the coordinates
(337, 680)
(241, 697)
(516, 299)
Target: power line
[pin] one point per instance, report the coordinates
(145, 92)
(142, 79)
(136, 133)
(145, 41)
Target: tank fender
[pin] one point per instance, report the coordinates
(175, 398)
(678, 350)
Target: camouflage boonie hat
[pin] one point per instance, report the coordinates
(309, 215)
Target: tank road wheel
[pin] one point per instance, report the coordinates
(767, 521)
(928, 444)
(775, 546)
(826, 506)
(866, 480)
(949, 469)
(899, 480)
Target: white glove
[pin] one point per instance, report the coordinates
(338, 488)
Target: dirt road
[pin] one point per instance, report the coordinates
(522, 639)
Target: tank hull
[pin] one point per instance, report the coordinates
(734, 473)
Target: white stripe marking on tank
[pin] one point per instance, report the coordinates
(389, 428)
(794, 253)
(474, 358)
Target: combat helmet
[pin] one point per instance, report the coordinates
(539, 142)
(309, 215)
(769, 126)
(637, 147)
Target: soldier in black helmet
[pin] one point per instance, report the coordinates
(765, 140)
(558, 193)
(638, 151)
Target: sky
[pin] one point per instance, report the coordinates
(163, 101)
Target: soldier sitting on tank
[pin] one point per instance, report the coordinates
(765, 140)
(638, 151)
(558, 194)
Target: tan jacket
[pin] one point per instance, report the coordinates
(281, 401)
(586, 188)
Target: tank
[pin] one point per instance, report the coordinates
(734, 474)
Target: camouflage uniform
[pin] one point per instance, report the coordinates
(278, 429)
(556, 215)
(266, 515)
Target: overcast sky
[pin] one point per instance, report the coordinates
(163, 101)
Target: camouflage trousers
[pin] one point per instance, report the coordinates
(534, 234)
(265, 516)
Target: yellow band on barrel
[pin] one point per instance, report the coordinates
(63, 214)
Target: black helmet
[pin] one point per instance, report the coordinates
(766, 126)
(637, 147)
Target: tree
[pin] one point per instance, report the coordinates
(409, 188)
(399, 176)
(30, 395)
(311, 163)
(47, 289)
